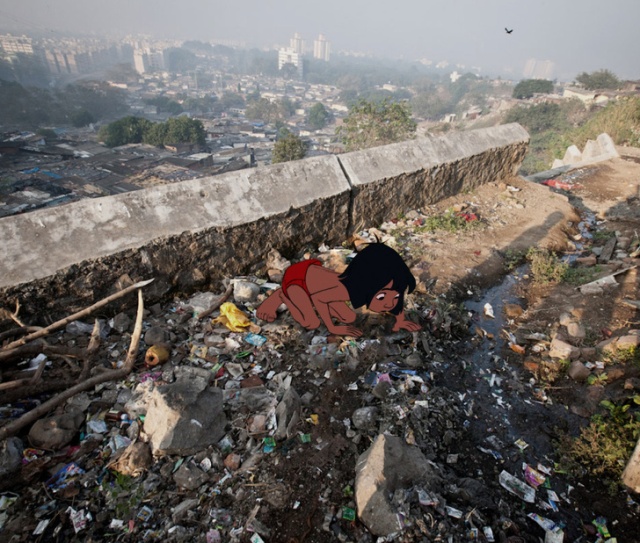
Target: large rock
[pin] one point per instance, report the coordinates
(185, 417)
(388, 465)
(55, 432)
(10, 455)
(563, 350)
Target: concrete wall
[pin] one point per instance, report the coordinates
(190, 235)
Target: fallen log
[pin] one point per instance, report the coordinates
(13, 427)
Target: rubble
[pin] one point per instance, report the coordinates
(248, 431)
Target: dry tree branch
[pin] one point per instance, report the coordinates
(91, 351)
(13, 427)
(13, 316)
(76, 316)
(17, 331)
(215, 305)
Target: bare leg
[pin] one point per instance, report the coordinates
(267, 311)
(301, 307)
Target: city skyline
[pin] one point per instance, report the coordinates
(464, 34)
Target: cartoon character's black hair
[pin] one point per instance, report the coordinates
(371, 270)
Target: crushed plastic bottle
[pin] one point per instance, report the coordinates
(517, 487)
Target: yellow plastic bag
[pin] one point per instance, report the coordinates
(231, 317)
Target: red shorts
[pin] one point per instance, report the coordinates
(296, 274)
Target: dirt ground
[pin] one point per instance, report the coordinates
(473, 398)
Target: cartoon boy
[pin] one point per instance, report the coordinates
(377, 277)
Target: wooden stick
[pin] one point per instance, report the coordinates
(76, 316)
(13, 316)
(92, 348)
(41, 347)
(217, 303)
(17, 331)
(13, 427)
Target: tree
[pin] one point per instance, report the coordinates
(370, 124)
(231, 99)
(318, 116)
(528, 87)
(601, 79)
(288, 148)
(82, 118)
(47, 133)
(184, 130)
(286, 108)
(156, 135)
(126, 130)
(538, 118)
(289, 71)
(165, 104)
(262, 110)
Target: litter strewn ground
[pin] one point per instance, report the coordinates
(232, 429)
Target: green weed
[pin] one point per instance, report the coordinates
(602, 236)
(624, 356)
(513, 258)
(450, 221)
(545, 266)
(597, 379)
(125, 493)
(604, 446)
(581, 276)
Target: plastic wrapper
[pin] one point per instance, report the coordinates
(231, 317)
(517, 487)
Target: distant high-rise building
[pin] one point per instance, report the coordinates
(321, 48)
(148, 60)
(297, 44)
(16, 44)
(289, 56)
(538, 69)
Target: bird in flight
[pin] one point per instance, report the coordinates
(507, 30)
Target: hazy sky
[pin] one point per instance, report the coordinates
(578, 35)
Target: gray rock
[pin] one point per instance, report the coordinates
(140, 399)
(365, 418)
(576, 330)
(578, 371)
(10, 455)
(181, 510)
(245, 291)
(288, 414)
(121, 323)
(156, 335)
(55, 432)
(190, 476)
(184, 417)
(276, 261)
(382, 390)
(629, 341)
(414, 360)
(388, 465)
(565, 319)
(563, 350)
(134, 460)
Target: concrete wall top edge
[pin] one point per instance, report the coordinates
(374, 164)
(39, 243)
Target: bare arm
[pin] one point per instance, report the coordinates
(403, 324)
(321, 302)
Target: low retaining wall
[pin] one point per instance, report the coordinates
(190, 235)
